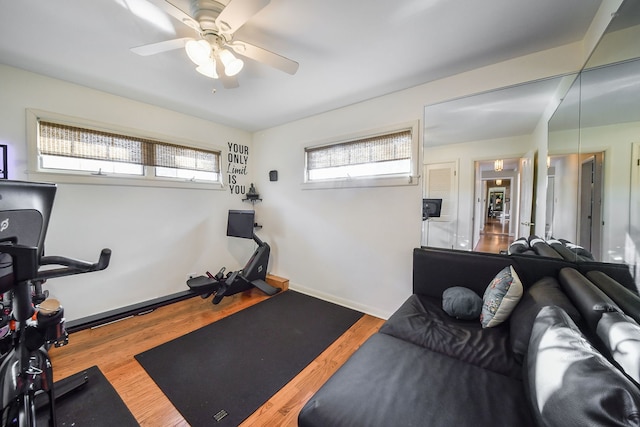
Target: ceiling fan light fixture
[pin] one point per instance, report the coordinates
(232, 65)
(198, 51)
(208, 69)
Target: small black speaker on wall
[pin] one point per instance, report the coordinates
(273, 175)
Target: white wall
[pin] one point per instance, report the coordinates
(616, 142)
(157, 235)
(565, 210)
(354, 246)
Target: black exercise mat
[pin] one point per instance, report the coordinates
(220, 374)
(94, 404)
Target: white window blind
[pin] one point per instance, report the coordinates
(383, 155)
(70, 141)
(382, 148)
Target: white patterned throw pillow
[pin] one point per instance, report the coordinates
(500, 297)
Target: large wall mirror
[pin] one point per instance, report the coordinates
(594, 136)
(488, 193)
(588, 185)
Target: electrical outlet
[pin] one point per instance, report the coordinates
(191, 275)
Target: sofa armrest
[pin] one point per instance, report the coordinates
(587, 297)
(627, 300)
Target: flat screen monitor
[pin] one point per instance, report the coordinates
(431, 208)
(240, 224)
(25, 208)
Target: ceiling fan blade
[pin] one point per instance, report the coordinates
(237, 12)
(153, 48)
(264, 56)
(176, 12)
(227, 82)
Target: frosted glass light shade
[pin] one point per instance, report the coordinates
(232, 65)
(208, 69)
(198, 51)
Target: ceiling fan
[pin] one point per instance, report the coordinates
(215, 25)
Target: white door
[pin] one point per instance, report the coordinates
(441, 182)
(632, 255)
(635, 191)
(479, 205)
(525, 221)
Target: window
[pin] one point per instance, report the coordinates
(386, 158)
(80, 151)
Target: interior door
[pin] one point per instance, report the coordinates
(479, 203)
(586, 203)
(441, 182)
(632, 257)
(634, 210)
(526, 211)
(591, 194)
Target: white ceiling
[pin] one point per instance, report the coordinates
(501, 113)
(348, 51)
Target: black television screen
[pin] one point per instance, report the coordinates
(240, 223)
(431, 208)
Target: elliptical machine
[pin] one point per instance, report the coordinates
(240, 224)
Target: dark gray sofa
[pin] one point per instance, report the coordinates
(426, 368)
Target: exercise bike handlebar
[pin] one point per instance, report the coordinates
(72, 266)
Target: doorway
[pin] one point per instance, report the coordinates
(496, 207)
(494, 233)
(590, 222)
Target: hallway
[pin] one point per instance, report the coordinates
(495, 236)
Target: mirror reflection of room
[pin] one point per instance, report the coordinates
(495, 230)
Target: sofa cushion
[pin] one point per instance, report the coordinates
(570, 383)
(461, 303)
(544, 292)
(422, 321)
(390, 382)
(500, 297)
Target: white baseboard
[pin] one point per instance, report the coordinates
(372, 311)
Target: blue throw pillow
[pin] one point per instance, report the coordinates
(461, 303)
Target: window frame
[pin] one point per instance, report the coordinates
(383, 180)
(147, 179)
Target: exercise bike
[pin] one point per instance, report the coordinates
(29, 321)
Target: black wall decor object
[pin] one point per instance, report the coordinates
(273, 175)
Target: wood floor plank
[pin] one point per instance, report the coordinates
(113, 347)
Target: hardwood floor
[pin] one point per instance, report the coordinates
(494, 237)
(112, 347)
